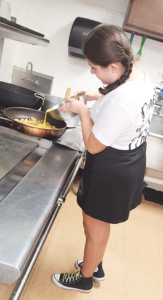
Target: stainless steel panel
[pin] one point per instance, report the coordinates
(45, 81)
(18, 173)
(12, 152)
(16, 34)
(24, 212)
(40, 141)
(73, 139)
(156, 126)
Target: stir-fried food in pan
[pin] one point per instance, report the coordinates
(34, 122)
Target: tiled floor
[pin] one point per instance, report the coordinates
(133, 260)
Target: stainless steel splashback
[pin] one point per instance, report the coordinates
(45, 81)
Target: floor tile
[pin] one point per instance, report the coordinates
(44, 289)
(143, 255)
(156, 214)
(141, 214)
(6, 290)
(60, 258)
(118, 230)
(134, 282)
(131, 297)
(70, 213)
(104, 294)
(141, 232)
(69, 234)
(115, 248)
(114, 275)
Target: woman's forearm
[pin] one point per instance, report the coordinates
(97, 95)
(86, 124)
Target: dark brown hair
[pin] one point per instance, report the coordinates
(108, 44)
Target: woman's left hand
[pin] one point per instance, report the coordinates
(73, 105)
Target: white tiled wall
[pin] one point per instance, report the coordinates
(54, 18)
(10, 46)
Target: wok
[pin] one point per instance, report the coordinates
(20, 112)
(16, 96)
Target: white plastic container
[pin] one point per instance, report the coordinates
(5, 10)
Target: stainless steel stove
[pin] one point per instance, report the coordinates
(34, 172)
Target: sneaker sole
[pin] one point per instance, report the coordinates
(94, 278)
(68, 288)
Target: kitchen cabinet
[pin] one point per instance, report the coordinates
(144, 17)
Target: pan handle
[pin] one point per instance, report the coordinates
(11, 123)
(40, 96)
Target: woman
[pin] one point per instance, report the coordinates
(115, 135)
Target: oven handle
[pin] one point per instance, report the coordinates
(71, 179)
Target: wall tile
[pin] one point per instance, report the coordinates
(55, 29)
(53, 60)
(59, 89)
(16, 7)
(114, 17)
(8, 55)
(31, 19)
(51, 7)
(5, 74)
(77, 8)
(118, 5)
(83, 79)
(24, 54)
(103, 3)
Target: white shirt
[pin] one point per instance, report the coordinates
(122, 117)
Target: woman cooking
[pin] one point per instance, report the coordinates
(115, 135)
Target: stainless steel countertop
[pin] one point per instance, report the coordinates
(24, 212)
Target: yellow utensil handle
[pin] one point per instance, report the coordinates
(77, 96)
(68, 93)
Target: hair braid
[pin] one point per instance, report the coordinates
(107, 44)
(128, 64)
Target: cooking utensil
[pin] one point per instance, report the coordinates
(131, 38)
(59, 115)
(13, 113)
(15, 96)
(68, 93)
(138, 56)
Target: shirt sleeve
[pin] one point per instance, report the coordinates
(112, 122)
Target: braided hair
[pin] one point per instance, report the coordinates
(107, 44)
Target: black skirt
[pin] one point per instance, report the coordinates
(112, 183)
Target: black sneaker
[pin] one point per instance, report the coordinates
(98, 274)
(73, 281)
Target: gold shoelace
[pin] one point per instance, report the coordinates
(68, 277)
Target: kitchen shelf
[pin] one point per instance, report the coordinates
(13, 33)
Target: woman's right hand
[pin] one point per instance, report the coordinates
(90, 95)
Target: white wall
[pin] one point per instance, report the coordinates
(54, 18)
(9, 49)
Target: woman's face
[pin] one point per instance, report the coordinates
(107, 74)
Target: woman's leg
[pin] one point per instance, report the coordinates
(97, 234)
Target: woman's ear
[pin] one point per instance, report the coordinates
(114, 67)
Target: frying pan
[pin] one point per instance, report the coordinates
(13, 113)
(16, 96)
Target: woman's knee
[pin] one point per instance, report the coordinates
(95, 230)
